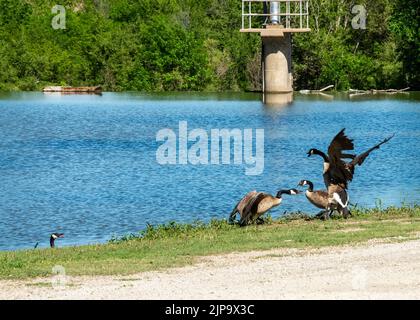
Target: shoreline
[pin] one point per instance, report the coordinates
(178, 245)
(303, 92)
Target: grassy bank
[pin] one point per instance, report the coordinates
(181, 244)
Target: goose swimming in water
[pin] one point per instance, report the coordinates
(320, 199)
(55, 236)
(255, 204)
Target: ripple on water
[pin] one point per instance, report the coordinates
(85, 165)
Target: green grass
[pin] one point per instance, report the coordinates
(174, 245)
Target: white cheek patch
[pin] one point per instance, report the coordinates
(292, 192)
(54, 236)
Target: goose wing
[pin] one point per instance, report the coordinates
(338, 171)
(241, 205)
(358, 160)
(245, 200)
(252, 206)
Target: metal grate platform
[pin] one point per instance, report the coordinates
(291, 16)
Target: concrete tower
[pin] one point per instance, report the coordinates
(276, 21)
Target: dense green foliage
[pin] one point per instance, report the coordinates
(156, 45)
(384, 55)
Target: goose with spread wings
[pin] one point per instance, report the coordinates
(338, 173)
(336, 170)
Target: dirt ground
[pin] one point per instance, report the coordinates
(375, 270)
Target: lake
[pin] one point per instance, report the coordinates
(85, 165)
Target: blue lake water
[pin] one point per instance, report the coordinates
(85, 165)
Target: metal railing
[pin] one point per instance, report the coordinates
(290, 14)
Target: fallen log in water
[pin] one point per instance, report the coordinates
(316, 91)
(326, 88)
(95, 89)
(390, 90)
(354, 92)
(358, 91)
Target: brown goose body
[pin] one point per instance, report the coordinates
(257, 204)
(336, 198)
(241, 205)
(261, 204)
(319, 198)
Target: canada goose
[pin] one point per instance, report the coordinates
(321, 198)
(261, 203)
(55, 236)
(336, 171)
(239, 208)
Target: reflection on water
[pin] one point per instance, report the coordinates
(85, 165)
(277, 99)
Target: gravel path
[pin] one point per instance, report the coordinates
(370, 271)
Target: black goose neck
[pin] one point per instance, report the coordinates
(281, 192)
(322, 154)
(310, 186)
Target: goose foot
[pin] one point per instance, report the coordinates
(259, 220)
(345, 212)
(327, 214)
(323, 215)
(347, 215)
(243, 222)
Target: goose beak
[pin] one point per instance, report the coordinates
(309, 154)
